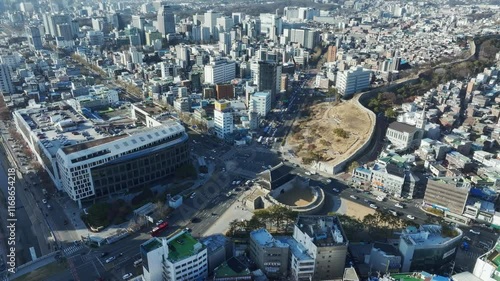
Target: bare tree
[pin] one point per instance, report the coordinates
(162, 209)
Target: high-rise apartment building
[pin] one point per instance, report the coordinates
(166, 20)
(138, 22)
(267, 77)
(220, 71)
(210, 21)
(50, 22)
(6, 86)
(223, 119)
(177, 257)
(34, 38)
(353, 80)
(331, 54)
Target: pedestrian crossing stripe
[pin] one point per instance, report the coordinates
(71, 249)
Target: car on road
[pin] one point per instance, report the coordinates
(474, 232)
(366, 200)
(103, 254)
(466, 238)
(192, 195)
(110, 259)
(188, 229)
(49, 207)
(159, 222)
(44, 201)
(127, 276)
(373, 206)
(399, 205)
(353, 197)
(410, 217)
(195, 220)
(328, 181)
(335, 190)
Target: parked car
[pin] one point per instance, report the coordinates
(410, 217)
(399, 205)
(335, 190)
(127, 276)
(474, 232)
(373, 206)
(44, 201)
(159, 222)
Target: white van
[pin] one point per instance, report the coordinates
(137, 262)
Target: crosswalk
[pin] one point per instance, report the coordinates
(72, 249)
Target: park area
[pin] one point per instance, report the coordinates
(329, 132)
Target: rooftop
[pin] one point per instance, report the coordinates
(402, 127)
(151, 244)
(214, 242)
(264, 238)
(231, 268)
(428, 235)
(183, 246)
(325, 230)
(297, 249)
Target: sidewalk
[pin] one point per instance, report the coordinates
(34, 265)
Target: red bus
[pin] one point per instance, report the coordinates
(157, 230)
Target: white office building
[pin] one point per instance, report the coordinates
(177, 257)
(223, 119)
(260, 103)
(220, 71)
(353, 80)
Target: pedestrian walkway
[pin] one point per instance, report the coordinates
(72, 249)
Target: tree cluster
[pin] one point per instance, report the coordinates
(278, 219)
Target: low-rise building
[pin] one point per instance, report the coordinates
(177, 257)
(324, 240)
(447, 194)
(270, 254)
(404, 136)
(428, 247)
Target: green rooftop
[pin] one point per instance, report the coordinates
(152, 244)
(231, 268)
(405, 277)
(183, 246)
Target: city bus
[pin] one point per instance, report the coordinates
(157, 230)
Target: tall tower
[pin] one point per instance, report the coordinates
(166, 20)
(34, 38)
(6, 86)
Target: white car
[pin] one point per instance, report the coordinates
(193, 195)
(328, 180)
(110, 259)
(474, 232)
(373, 206)
(44, 201)
(307, 173)
(127, 276)
(159, 222)
(353, 197)
(335, 190)
(399, 205)
(410, 217)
